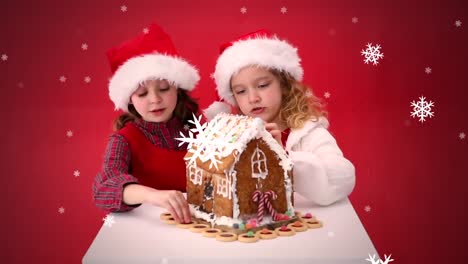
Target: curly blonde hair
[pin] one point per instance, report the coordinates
(299, 104)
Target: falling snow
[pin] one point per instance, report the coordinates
(76, 173)
(372, 54)
(284, 10)
(84, 46)
(458, 23)
(145, 30)
(61, 210)
(69, 133)
(109, 220)
(243, 10)
(367, 208)
(462, 135)
(308, 93)
(123, 8)
(354, 20)
(87, 79)
(4, 57)
(422, 109)
(63, 79)
(428, 70)
(327, 95)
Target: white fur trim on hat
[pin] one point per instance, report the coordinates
(272, 53)
(128, 77)
(216, 108)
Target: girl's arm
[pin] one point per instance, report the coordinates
(321, 173)
(114, 177)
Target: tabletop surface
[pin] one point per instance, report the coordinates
(139, 236)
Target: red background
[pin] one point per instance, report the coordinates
(411, 174)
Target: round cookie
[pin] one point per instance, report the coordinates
(314, 224)
(226, 237)
(170, 221)
(165, 216)
(307, 217)
(186, 225)
(248, 238)
(298, 226)
(285, 231)
(266, 234)
(211, 232)
(198, 228)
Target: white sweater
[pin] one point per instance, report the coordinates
(321, 173)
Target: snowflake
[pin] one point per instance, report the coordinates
(108, 220)
(63, 79)
(458, 23)
(207, 146)
(123, 8)
(84, 46)
(87, 79)
(308, 94)
(20, 85)
(331, 234)
(372, 54)
(76, 173)
(422, 109)
(186, 127)
(379, 261)
(462, 135)
(69, 133)
(284, 10)
(243, 10)
(354, 20)
(4, 57)
(61, 210)
(327, 95)
(145, 30)
(367, 208)
(428, 70)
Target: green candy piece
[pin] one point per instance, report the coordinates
(250, 234)
(289, 213)
(242, 226)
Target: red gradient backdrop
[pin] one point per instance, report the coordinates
(411, 174)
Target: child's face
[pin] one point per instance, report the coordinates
(257, 93)
(155, 101)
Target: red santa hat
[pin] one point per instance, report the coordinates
(260, 48)
(151, 55)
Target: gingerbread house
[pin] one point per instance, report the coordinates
(237, 172)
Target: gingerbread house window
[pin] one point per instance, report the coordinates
(222, 187)
(195, 175)
(259, 166)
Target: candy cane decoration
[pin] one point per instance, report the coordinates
(267, 195)
(259, 197)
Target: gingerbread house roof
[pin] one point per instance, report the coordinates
(218, 142)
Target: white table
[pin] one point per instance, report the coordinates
(140, 237)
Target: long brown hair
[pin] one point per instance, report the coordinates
(298, 104)
(185, 106)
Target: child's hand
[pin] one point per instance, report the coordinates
(174, 202)
(274, 130)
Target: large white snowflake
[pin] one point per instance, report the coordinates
(422, 109)
(207, 145)
(373, 259)
(372, 54)
(109, 220)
